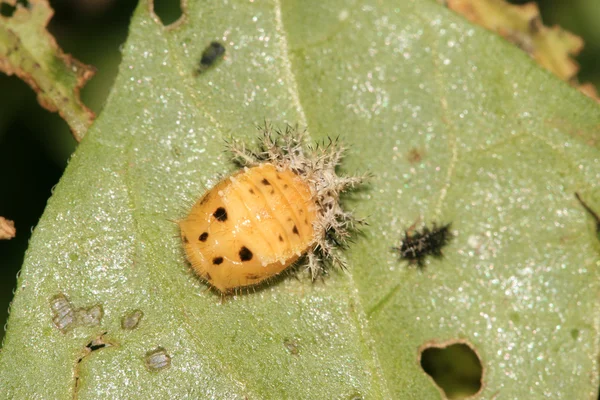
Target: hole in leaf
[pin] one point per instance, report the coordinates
(168, 11)
(454, 367)
(6, 10)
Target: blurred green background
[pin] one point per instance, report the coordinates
(35, 145)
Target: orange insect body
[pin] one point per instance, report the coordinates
(250, 226)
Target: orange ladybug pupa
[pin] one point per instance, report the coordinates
(282, 204)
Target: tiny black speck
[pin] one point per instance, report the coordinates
(217, 260)
(185, 239)
(203, 237)
(265, 182)
(220, 214)
(295, 230)
(251, 191)
(212, 52)
(245, 254)
(208, 277)
(280, 238)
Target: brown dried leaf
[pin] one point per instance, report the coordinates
(551, 47)
(7, 229)
(28, 50)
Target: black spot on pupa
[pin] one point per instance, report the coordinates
(203, 237)
(272, 191)
(285, 186)
(251, 191)
(185, 239)
(208, 277)
(220, 214)
(217, 260)
(265, 182)
(204, 199)
(295, 230)
(245, 254)
(280, 238)
(212, 53)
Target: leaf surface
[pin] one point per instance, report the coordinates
(454, 124)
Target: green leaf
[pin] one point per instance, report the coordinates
(455, 125)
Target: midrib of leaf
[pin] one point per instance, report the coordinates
(352, 289)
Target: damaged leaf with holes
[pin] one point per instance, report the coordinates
(441, 115)
(29, 51)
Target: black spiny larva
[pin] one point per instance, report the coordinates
(417, 245)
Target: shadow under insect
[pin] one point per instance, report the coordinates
(417, 245)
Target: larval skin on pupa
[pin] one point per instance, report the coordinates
(286, 149)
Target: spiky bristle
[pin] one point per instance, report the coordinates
(287, 149)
